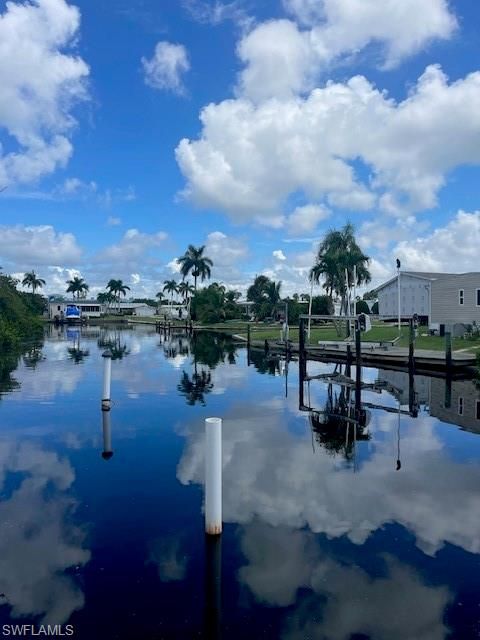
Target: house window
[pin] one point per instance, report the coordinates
(461, 296)
(478, 410)
(58, 307)
(478, 297)
(460, 406)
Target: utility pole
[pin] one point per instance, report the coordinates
(310, 308)
(399, 296)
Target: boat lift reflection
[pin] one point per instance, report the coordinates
(344, 420)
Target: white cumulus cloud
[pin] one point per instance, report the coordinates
(30, 246)
(452, 248)
(40, 85)
(132, 247)
(167, 66)
(250, 158)
(337, 28)
(306, 218)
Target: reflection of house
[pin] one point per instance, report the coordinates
(463, 400)
(399, 380)
(437, 298)
(93, 308)
(464, 409)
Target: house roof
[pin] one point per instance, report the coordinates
(422, 275)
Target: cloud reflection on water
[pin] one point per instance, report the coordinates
(42, 544)
(271, 473)
(338, 600)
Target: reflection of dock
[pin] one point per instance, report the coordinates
(396, 358)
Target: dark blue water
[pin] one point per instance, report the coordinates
(323, 537)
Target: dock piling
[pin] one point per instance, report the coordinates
(213, 476)
(358, 368)
(448, 350)
(411, 347)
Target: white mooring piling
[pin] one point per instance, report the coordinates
(213, 476)
(107, 380)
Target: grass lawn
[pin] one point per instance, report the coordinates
(379, 333)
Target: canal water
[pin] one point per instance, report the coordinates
(332, 530)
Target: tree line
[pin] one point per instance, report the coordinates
(339, 261)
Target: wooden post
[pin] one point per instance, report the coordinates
(301, 348)
(248, 337)
(412, 405)
(301, 364)
(448, 390)
(411, 347)
(358, 367)
(448, 350)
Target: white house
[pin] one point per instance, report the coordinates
(94, 309)
(447, 299)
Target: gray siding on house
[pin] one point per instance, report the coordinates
(415, 297)
(446, 307)
(400, 380)
(465, 395)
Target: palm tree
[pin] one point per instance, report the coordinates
(77, 286)
(171, 287)
(106, 297)
(193, 261)
(185, 290)
(31, 280)
(117, 289)
(339, 253)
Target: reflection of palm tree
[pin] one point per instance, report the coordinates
(76, 353)
(265, 364)
(211, 349)
(174, 347)
(114, 345)
(195, 388)
(33, 356)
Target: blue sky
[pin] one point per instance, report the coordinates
(130, 129)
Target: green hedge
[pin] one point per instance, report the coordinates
(20, 314)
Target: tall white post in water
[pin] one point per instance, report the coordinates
(107, 435)
(107, 380)
(213, 476)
